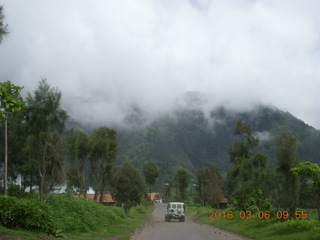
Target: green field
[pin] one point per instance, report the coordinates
(66, 217)
(262, 229)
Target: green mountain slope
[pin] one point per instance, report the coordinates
(188, 138)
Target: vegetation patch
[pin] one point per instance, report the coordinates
(72, 214)
(70, 217)
(263, 229)
(28, 214)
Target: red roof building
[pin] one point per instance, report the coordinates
(106, 200)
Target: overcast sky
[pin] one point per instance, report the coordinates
(107, 56)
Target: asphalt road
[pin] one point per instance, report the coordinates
(157, 229)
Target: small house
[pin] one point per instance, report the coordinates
(106, 200)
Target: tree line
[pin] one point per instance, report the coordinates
(46, 154)
(256, 184)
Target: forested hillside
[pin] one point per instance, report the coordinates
(189, 139)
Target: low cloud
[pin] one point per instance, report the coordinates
(264, 136)
(109, 56)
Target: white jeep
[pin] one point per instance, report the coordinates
(175, 210)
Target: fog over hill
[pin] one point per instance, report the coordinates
(111, 58)
(194, 138)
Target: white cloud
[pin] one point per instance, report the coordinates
(263, 136)
(106, 56)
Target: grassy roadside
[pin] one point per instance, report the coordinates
(121, 229)
(70, 218)
(262, 229)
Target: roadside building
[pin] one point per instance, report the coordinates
(106, 200)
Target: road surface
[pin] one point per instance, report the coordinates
(157, 229)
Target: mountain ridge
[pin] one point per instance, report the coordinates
(195, 139)
(189, 139)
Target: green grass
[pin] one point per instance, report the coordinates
(67, 217)
(262, 229)
(22, 234)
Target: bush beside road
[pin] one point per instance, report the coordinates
(67, 217)
(256, 228)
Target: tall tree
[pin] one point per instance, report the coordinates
(201, 182)
(28, 168)
(10, 102)
(249, 166)
(312, 171)
(3, 27)
(56, 161)
(240, 153)
(79, 150)
(286, 157)
(128, 187)
(150, 172)
(16, 137)
(182, 178)
(210, 186)
(103, 155)
(259, 173)
(46, 120)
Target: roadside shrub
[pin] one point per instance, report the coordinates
(120, 211)
(135, 212)
(291, 226)
(27, 214)
(59, 213)
(266, 204)
(237, 203)
(16, 191)
(315, 235)
(253, 208)
(232, 209)
(72, 214)
(141, 210)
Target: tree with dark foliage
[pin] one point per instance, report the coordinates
(182, 178)
(79, 149)
(128, 187)
(150, 172)
(103, 154)
(286, 157)
(46, 123)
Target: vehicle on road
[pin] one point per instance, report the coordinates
(175, 210)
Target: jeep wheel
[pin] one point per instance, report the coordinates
(182, 219)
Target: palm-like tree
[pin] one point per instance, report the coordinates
(3, 27)
(4, 31)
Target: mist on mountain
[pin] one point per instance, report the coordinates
(194, 138)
